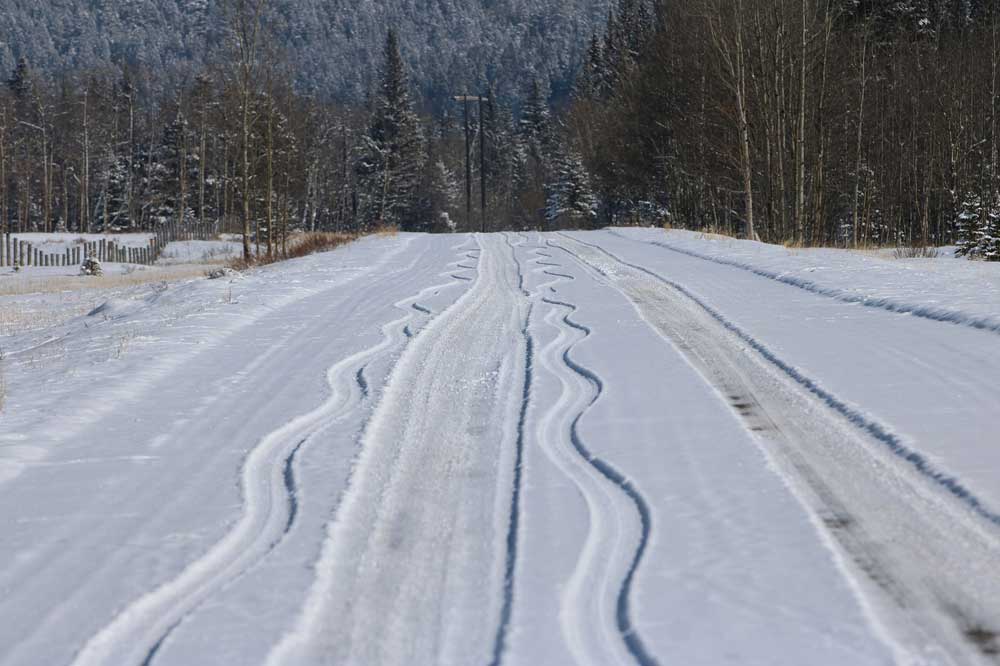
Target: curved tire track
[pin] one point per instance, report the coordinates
(930, 312)
(424, 523)
(513, 527)
(596, 618)
(909, 550)
(626, 627)
(270, 506)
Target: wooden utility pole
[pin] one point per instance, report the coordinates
(465, 100)
(482, 161)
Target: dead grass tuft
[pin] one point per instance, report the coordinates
(916, 253)
(300, 246)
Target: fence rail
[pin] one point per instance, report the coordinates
(17, 252)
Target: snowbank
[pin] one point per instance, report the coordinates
(942, 289)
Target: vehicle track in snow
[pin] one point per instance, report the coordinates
(423, 527)
(596, 617)
(921, 556)
(923, 311)
(270, 505)
(513, 525)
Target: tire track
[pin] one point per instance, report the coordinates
(629, 634)
(510, 563)
(909, 550)
(290, 487)
(270, 506)
(878, 431)
(425, 523)
(607, 565)
(930, 312)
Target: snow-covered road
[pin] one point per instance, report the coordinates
(583, 448)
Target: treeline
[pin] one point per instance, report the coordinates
(238, 148)
(848, 122)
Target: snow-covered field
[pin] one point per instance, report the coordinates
(618, 447)
(206, 252)
(37, 297)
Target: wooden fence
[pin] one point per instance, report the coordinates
(16, 252)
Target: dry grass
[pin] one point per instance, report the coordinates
(717, 234)
(303, 245)
(916, 253)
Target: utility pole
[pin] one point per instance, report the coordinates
(465, 99)
(482, 160)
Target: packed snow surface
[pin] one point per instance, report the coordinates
(616, 447)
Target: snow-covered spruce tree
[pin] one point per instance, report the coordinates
(443, 192)
(592, 82)
(392, 157)
(536, 122)
(535, 134)
(570, 199)
(505, 156)
(967, 228)
(168, 176)
(977, 228)
(989, 235)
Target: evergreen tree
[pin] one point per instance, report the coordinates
(570, 198)
(967, 227)
(392, 160)
(592, 81)
(444, 192)
(22, 87)
(536, 122)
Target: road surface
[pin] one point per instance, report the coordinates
(567, 448)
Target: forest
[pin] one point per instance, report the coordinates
(809, 122)
(813, 122)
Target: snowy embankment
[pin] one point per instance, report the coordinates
(37, 297)
(204, 252)
(942, 288)
(506, 449)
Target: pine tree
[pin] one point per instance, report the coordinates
(392, 159)
(21, 84)
(592, 81)
(570, 197)
(536, 122)
(967, 227)
(444, 192)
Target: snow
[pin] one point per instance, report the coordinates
(960, 291)
(187, 252)
(618, 447)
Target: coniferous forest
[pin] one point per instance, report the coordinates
(816, 122)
